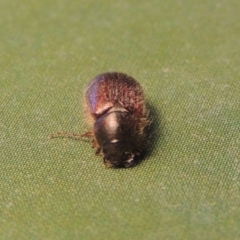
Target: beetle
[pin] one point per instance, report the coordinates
(117, 110)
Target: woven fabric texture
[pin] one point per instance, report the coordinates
(186, 56)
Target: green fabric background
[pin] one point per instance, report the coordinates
(186, 55)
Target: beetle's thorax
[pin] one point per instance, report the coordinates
(111, 126)
(113, 132)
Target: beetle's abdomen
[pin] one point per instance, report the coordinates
(115, 90)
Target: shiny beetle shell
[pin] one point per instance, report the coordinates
(116, 105)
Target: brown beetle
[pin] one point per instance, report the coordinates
(116, 106)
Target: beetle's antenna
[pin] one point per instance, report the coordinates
(75, 136)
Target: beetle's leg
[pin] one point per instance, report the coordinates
(71, 135)
(98, 151)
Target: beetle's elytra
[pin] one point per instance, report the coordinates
(116, 105)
